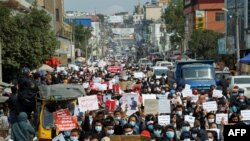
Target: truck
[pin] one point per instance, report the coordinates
(198, 74)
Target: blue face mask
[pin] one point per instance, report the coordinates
(98, 128)
(185, 129)
(157, 133)
(234, 109)
(67, 133)
(170, 134)
(178, 113)
(150, 127)
(110, 132)
(73, 138)
(132, 123)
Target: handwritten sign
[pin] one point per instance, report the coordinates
(194, 98)
(217, 93)
(59, 138)
(139, 75)
(164, 104)
(66, 123)
(187, 87)
(190, 119)
(210, 106)
(245, 114)
(148, 96)
(151, 106)
(61, 113)
(220, 116)
(85, 85)
(187, 92)
(88, 103)
(164, 120)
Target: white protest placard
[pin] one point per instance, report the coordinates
(217, 93)
(76, 110)
(220, 116)
(190, 119)
(194, 98)
(139, 75)
(151, 106)
(85, 85)
(164, 120)
(245, 114)
(88, 103)
(187, 92)
(164, 104)
(59, 138)
(103, 87)
(148, 96)
(132, 103)
(187, 87)
(97, 80)
(210, 106)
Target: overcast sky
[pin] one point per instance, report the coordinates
(101, 6)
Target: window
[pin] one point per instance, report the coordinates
(219, 17)
(57, 15)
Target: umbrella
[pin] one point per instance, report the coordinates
(45, 67)
(80, 59)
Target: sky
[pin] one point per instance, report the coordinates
(102, 6)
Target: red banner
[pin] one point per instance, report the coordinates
(64, 121)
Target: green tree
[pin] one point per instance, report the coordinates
(204, 43)
(175, 20)
(27, 40)
(82, 35)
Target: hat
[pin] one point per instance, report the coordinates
(145, 133)
(185, 123)
(185, 135)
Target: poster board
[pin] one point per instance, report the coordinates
(129, 138)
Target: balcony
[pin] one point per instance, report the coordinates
(21, 5)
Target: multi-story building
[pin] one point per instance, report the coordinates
(204, 14)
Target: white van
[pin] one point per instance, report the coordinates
(158, 71)
(242, 81)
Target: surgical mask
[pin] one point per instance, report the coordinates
(118, 118)
(79, 122)
(158, 83)
(222, 108)
(185, 129)
(193, 106)
(129, 133)
(132, 123)
(211, 120)
(110, 132)
(170, 134)
(194, 136)
(152, 82)
(207, 98)
(178, 113)
(149, 90)
(67, 133)
(241, 94)
(98, 128)
(150, 127)
(186, 139)
(163, 92)
(157, 133)
(174, 86)
(73, 138)
(213, 128)
(241, 100)
(210, 139)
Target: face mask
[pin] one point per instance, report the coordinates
(117, 118)
(98, 128)
(149, 90)
(129, 133)
(67, 133)
(132, 123)
(157, 133)
(73, 138)
(158, 83)
(222, 108)
(186, 139)
(185, 129)
(90, 117)
(79, 122)
(163, 92)
(170, 134)
(110, 132)
(210, 139)
(151, 82)
(213, 128)
(178, 113)
(150, 127)
(193, 106)
(211, 120)
(194, 135)
(234, 109)
(207, 98)
(174, 86)
(241, 100)
(241, 94)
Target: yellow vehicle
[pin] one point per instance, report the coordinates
(51, 98)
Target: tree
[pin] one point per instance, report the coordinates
(82, 35)
(27, 40)
(204, 43)
(175, 20)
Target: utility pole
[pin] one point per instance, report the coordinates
(237, 36)
(1, 76)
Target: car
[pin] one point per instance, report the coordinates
(219, 74)
(242, 81)
(158, 71)
(145, 62)
(167, 64)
